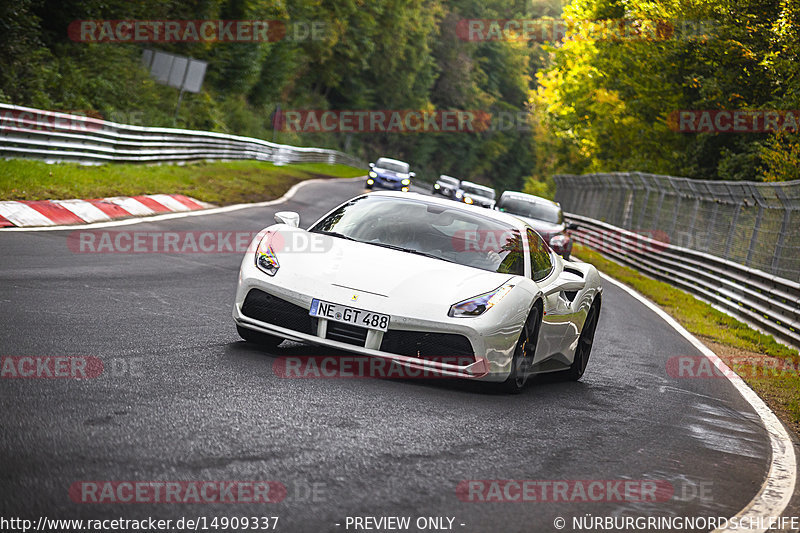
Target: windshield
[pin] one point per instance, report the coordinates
(478, 191)
(539, 211)
(385, 164)
(447, 180)
(446, 233)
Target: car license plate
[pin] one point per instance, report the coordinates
(349, 315)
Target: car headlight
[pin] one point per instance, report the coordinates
(468, 200)
(559, 241)
(373, 174)
(479, 304)
(370, 182)
(406, 182)
(437, 186)
(405, 189)
(266, 260)
(459, 194)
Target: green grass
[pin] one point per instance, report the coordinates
(218, 183)
(736, 339)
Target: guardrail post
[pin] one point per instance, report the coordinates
(676, 211)
(732, 231)
(644, 202)
(776, 258)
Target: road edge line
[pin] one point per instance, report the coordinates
(778, 488)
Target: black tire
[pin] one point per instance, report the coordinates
(264, 340)
(523, 353)
(584, 349)
(368, 187)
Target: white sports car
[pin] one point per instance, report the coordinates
(428, 283)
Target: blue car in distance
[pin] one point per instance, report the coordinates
(389, 174)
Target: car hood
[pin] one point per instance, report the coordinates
(360, 267)
(390, 173)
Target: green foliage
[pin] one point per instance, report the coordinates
(381, 54)
(219, 183)
(605, 104)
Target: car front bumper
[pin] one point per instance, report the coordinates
(386, 183)
(492, 345)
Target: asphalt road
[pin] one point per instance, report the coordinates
(183, 398)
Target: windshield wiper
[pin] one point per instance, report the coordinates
(409, 250)
(335, 234)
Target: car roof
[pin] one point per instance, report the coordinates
(477, 185)
(390, 160)
(529, 197)
(497, 215)
(448, 177)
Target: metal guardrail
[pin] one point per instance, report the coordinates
(750, 223)
(769, 302)
(60, 137)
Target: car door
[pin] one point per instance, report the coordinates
(556, 322)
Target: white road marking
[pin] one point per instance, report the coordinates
(778, 487)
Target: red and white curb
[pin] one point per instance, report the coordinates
(25, 214)
(211, 210)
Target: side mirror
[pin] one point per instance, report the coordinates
(412, 174)
(288, 217)
(372, 165)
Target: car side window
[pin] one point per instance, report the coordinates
(541, 264)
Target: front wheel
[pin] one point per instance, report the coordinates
(584, 349)
(264, 340)
(522, 361)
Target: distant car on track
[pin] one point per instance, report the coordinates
(412, 278)
(446, 186)
(389, 174)
(545, 216)
(475, 194)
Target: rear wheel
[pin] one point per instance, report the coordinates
(264, 340)
(584, 349)
(522, 361)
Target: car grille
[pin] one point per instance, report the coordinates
(264, 307)
(426, 345)
(347, 333)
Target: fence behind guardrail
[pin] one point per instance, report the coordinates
(55, 137)
(734, 244)
(753, 224)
